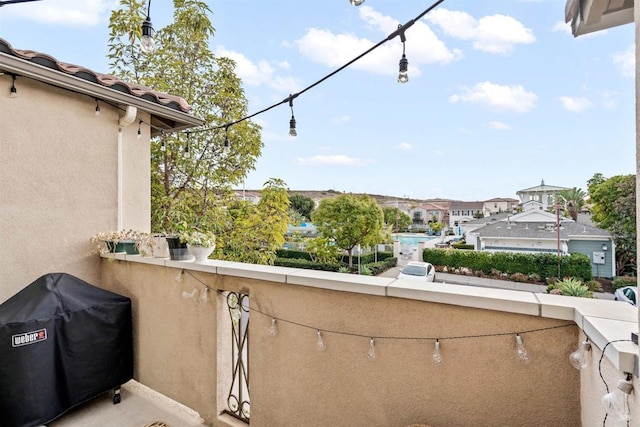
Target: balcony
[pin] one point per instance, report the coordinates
(205, 353)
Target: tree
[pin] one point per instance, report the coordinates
(573, 199)
(191, 172)
(614, 209)
(350, 220)
(303, 205)
(396, 218)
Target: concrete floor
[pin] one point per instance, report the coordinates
(139, 407)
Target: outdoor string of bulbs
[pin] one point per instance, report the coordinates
(615, 402)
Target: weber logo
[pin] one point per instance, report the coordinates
(28, 338)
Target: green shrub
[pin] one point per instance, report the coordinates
(381, 266)
(621, 281)
(462, 246)
(287, 253)
(344, 269)
(572, 286)
(365, 271)
(303, 263)
(594, 286)
(534, 277)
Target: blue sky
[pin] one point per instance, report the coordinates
(500, 95)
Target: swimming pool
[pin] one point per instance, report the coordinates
(413, 239)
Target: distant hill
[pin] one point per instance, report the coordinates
(381, 199)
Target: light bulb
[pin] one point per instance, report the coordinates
(356, 2)
(372, 349)
(579, 359)
(403, 76)
(617, 402)
(292, 127)
(273, 329)
(522, 353)
(436, 356)
(147, 43)
(97, 109)
(179, 276)
(320, 343)
(14, 92)
(189, 295)
(204, 295)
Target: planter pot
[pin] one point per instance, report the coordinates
(159, 247)
(178, 251)
(129, 247)
(115, 247)
(201, 253)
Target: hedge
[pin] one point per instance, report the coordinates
(544, 265)
(288, 253)
(303, 263)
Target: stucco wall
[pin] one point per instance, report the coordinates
(58, 182)
(481, 382)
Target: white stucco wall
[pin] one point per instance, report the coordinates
(58, 181)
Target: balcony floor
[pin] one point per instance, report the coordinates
(140, 407)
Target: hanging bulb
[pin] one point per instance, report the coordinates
(522, 353)
(204, 294)
(579, 359)
(273, 329)
(236, 313)
(356, 2)
(139, 130)
(162, 147)
(320, 343)
(148, 43)
(189, 295)
(97, 108)
(403, 76)
(436, 356)
(616, 402)
(292, 127)
(372, 349)
(179, 276)
(13, 92)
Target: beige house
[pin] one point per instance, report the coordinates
(544, 194)
(67, 172)
(498, 205)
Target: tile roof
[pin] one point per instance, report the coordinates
(535, 230)
(106, 80)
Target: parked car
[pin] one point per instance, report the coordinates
(627, 294)
(416, 270)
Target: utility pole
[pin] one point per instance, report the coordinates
(558, 206)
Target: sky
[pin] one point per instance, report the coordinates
(500, 94)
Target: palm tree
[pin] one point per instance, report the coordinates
(573, 200)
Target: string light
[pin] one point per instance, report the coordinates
(13, 92)
(403, 77)
(148, 43)
(97, 107)
(226, 139)
(292, 122)
(617, 401)
(371, 353)
(204, 294)
(273, 329)
(356, 2)
(436, 356)
(522, 353)
(320, 342)
(179, 276)
(579, 359)
(139, 130)
(162, 146)
(189, 295)
(186, 146)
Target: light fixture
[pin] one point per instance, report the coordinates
(273, 329)
(579, 359)
(13, 92)
(179, 276)
(97, 107)
(604, 247)
(356, 2)
(189, 295)
(139, 130)
(436, 356)
(372, 349)
(162, 146)
(227, 144)
(204, 294)
(522, 353)
(186, 145)
(320, 342)
(616, 402)
(403, 77)
(148, 43)
(292, 122)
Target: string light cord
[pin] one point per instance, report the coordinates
(606, 386)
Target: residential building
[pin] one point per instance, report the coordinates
(498, 205)
(543, 193)
(461, 212)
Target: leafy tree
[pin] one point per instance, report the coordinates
(295, 218)
(350, 220)
(614, 209)
(191, 172)
(303, 205)
(436, 226)
(573, 199)
(396, 218)
(323, 250)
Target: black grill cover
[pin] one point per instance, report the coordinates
(62, 342)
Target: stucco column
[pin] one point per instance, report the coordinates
(636, 18)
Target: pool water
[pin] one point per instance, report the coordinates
(412, 239)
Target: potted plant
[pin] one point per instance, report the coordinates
(118, 241)
(199, 244)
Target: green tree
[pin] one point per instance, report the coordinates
(350, 220)
(191, 172)
(572, 199)
(303, 205)
(614, 209)
(395, 218)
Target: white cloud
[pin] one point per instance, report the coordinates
(262, 73)
(498, 97)
(341, 119)
(404, 146)
(338, 159)
(497, 34)
(330, 49)
(498, 125)
(575, 104)
(65, 12)
(626, 61)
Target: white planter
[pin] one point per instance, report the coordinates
(201, 253)
(159, 247)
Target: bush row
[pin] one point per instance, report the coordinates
(368, 258)
(304, 263)
(622, 281)
(544, 265)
